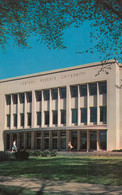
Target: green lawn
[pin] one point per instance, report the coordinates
(97, 170)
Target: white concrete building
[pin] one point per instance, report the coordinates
(80, 104)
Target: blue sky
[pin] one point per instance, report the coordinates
(16, 62)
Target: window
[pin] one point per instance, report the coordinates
(54, 94)
(21, 140)
(8, 120)
(15, 99)
(93, 114)
(28, 140)
(29, 97)
(38, 96)
(29, 119)
(46, 95)
(63, 139)
(74, 91)
(46, 117)
(63, 92)
(103, 140)
(83, 140)
(55, 117)
(102, 87)
(74, 116)
(83, 115)
(38, 118)
(8, 99)
(63, 116)
(83, 90)
(22, 98)
(22, 119)
(103, 114)
(93, 89)
(15, 120)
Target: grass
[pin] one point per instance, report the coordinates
(97, 170)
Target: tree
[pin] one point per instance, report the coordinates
(47, 20)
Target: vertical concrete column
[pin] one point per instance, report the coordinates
(98, 140)
(25, 111)
(78, 140)
(79, 121)
(68, 138)
(68, 107)
(18, 111)
(11, 111)
(33, 108)
(50, 108)
(11, 141)
(50, 140)
(18, 141)
(88, 140)
(32, 140)
(25, 140)
(98, 112)
(42, 140)
(59, 140)
(88, 110)
(59, 113)
(42, 110)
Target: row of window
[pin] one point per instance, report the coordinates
(93, 117)
(54, 93)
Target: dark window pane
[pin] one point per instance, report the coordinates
(8, 120)
(83, 90)
(54, 94)
(74, 115)
(83, 140)
(93, 89)
(8, 141)
(93, 114)
(15, 99)
(55, 117)
(15, 120)
(38, 118)
(63, 133)
(21, 140)
(93, 140)
(46, 143)
(46, 117)
(38, 143)
(28, 140)
(8, 99)
(54, 143)
(102, 87)
(46, 95)
(63, 92)
(38, 96)
(74, 91)
(63, 143)
(22, 98)
(38, 134)
(54, 133)
(46, 133)
(103, 114)
(103, 140)
(22, 119)
(83, 115)
(29, 119)
(63, 116)
(29, 97)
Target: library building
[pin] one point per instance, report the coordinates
(81, 104)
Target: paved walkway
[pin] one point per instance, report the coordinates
(60, 187)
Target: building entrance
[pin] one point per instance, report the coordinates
(74, 140)
(93, 140)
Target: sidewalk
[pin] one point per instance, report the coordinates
(61, 187)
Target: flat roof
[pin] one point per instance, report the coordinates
(60, 70)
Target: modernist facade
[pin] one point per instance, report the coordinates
(80, 104)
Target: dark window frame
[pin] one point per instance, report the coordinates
(54, 93)
(63, 92)
(74, 91)
(93, 89)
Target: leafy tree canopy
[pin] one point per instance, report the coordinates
(47, 20)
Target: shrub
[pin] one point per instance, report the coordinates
(4, 155)
(33, 152)
(53, 153)
(21, 155)
(45, 153)
(117, 150)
